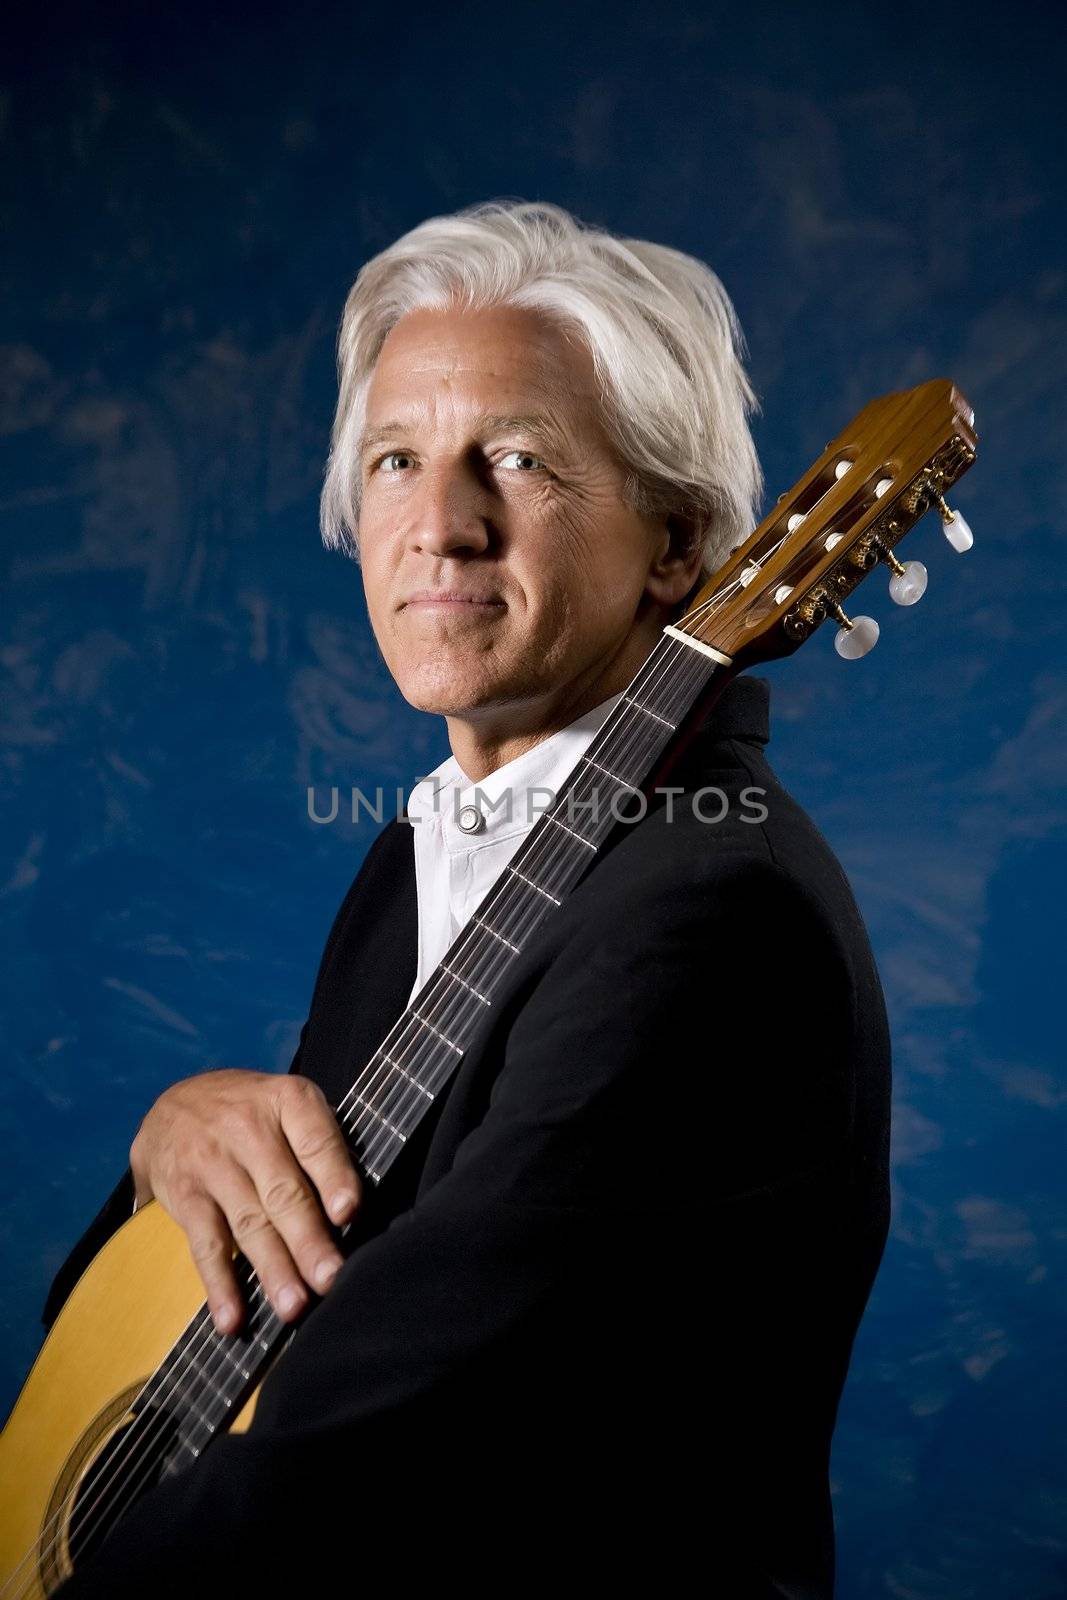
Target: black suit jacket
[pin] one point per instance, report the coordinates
(601, 1314)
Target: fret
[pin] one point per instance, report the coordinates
(517, 948)
(209, 1380)
(443, 1037)
(649, 712)
(378, 1116)
(475, 959)
(404, 1073)
(199, 1417)
(530, 883)
(468, 986)
(183, 1378)
(219, 1349)
(607, 772)
(228, 1356)
(581, 840)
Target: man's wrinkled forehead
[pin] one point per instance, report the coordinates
(499, 370)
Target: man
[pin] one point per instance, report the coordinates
(601, 1309)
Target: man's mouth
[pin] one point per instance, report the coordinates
(455, 598)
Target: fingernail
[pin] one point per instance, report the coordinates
(225, 1316)
(289, 1299)
(340, 1204)
(326, 1271)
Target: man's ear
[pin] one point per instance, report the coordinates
(679, 564)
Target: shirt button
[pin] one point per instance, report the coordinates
(470, 820)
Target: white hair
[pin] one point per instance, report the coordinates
(665, 342)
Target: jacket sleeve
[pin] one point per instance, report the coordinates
(645, 1109)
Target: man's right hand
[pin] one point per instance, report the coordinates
(245, 1158)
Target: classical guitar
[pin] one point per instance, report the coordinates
(133, 1382)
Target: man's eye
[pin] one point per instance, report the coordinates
(394, 461)
(523, 460)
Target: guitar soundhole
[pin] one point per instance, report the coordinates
(130, 1463)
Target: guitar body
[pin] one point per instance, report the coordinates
(124, 1314)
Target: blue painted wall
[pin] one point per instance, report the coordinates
(187, 198)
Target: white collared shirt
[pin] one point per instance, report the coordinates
(454, 866)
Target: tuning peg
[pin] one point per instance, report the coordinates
(856, 635)
(908, 582)
(956, 528)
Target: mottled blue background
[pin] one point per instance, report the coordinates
(187, 197)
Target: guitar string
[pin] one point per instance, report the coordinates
(673, 652)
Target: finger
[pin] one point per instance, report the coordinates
(292, 1208)
(316, 1140)
(254, 1219)
(211, 1247)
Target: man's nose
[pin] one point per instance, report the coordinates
(452, 510)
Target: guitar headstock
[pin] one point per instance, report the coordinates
(869, 487)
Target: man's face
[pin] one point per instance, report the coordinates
(502, 566)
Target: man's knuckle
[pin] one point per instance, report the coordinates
(284, 1194)
(207, 1249)
(248, 1221)
(183, 1187)
(239, 1120)
(317, 1142)
(302, 1091)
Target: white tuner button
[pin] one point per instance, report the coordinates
(857, 640)
(957, 531)
(908, 585)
